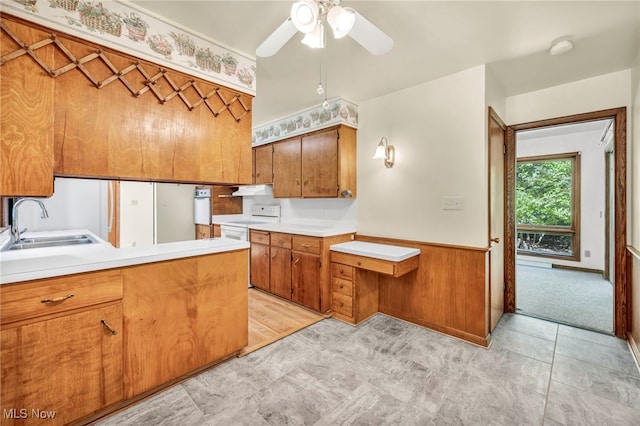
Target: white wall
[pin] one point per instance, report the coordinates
(593, 94)
(174, 212)
(75, 204)
(592, 189)
(438, 130)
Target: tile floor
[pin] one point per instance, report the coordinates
(387, 371)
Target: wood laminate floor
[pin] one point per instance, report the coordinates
(272, 318)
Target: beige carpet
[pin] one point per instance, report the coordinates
(581, 299)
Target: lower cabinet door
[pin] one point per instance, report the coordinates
(305, 279)
(281, 272)
(62, 369)
(260, 266)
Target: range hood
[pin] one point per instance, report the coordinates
(251, 190)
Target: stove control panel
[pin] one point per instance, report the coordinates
(265, 211)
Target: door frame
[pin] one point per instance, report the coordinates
(621, 278)
(493, 116)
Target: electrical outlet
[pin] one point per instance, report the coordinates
(587, 253)
(451, 203)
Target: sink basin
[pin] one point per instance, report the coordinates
(42, 242)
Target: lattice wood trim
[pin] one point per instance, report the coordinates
(151, 78)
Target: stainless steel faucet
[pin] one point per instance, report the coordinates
(15, 230)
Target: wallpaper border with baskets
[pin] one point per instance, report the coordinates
(337, 111)
(132, 30)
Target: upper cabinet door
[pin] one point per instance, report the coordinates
(263, 172)
(287, 169)
(320, 164)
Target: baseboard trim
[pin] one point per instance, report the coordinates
(635, 351)
(575, 268)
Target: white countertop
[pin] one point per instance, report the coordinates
(37, 263)
(376, 251)
(311, 228)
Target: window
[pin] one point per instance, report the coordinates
(548, 206)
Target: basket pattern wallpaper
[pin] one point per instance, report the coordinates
(129, 29)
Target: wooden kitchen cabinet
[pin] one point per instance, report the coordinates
(292, 266)
(263, 164)
(317, 165)
(305, 271)
(64, 357)
(260, 261)
(203, 232)
(27, 103)
(182, 315)
(280, 274)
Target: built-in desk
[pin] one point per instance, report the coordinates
(355, 266)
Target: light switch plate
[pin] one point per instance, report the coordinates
(451, 203)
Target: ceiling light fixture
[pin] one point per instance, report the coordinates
(307, 16)
(385, 152)
(560, 47)
(341, 20)
(304, 14)
(315, 37)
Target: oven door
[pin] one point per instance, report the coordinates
(240, 233)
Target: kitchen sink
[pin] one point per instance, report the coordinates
(42, 242)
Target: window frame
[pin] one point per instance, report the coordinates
(574, 229)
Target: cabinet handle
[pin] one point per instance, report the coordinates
(341, 304)
(342, 271)
(341, 285)
(281, 242)
(359, 263)
(306, 182)
(273, 256)
(297, 182)
(57, 299)
(305, 245)
(295, 262)
(258, 174)
(266, 255)
(108, 327)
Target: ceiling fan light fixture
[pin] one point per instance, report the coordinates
(341, 20)
(315, 38)
(304, 14)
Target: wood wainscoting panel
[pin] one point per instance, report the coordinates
(448, 292)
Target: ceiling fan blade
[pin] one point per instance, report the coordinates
(370, 37)
(277, 39)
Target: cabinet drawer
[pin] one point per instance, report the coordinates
(338, 285)
(342, 271)
(281, 240)
(377, 265)
(342, 304)
(259, 237)
(36, 298)
(306, 244)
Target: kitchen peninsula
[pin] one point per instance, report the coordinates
(135, 319)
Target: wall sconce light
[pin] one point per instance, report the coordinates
(385, 152)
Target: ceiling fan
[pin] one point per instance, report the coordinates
(307, 16)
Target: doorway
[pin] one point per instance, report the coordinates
(618, 213)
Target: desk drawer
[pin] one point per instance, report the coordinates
(342, 304)
(338, 285)
(32, 299)
(341, 271)
(371, 264)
